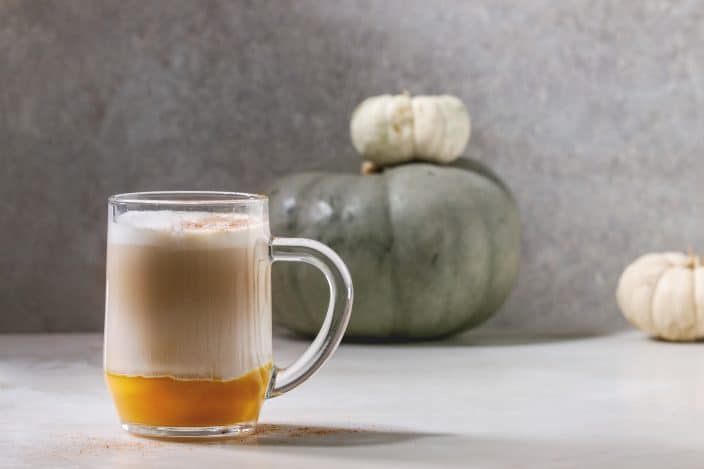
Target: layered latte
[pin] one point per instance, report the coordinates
(188, 317)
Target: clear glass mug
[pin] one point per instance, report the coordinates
(188, 311)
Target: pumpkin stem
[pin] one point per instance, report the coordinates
(695, 261)
(369, 168)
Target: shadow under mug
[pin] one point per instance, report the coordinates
(188, 348)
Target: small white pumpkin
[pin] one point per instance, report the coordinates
(663, 294)
(391, 129)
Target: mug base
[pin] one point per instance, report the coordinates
(219, 431)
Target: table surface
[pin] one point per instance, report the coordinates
(474, 401)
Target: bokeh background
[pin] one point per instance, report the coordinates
(591, 111)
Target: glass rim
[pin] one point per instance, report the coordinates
(176, 198)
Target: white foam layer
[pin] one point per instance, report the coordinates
(187, 229)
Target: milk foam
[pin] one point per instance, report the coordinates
(187, 229)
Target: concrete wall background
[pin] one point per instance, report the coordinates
(590, 110)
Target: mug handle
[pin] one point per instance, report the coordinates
(336, 318)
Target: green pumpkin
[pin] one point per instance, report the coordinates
(433, 250)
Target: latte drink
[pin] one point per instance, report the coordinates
(188, 317)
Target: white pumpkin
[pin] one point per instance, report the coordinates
(663, 294)
(390, 129)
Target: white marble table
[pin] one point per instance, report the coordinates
(475, 401)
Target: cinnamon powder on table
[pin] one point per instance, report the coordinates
(288, 431)
(87, 445)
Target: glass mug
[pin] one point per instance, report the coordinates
(188, 311)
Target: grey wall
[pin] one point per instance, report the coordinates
(590, 110)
